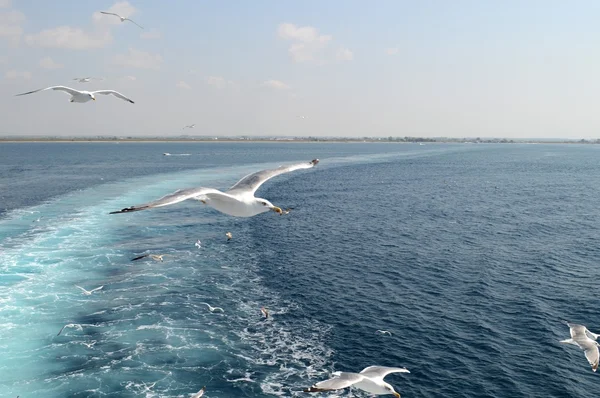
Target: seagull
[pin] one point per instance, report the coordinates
(384, 332)
(70, 325)
(80, 96)
(156, 257)
(238, 201)
(265, 312)
(213, 309)
(88, 292)
(85, 79)
(229, 236)
(199, 393)
(198, 244)
(123, 19)
(585, 340)
(191, 126)
(370, 379)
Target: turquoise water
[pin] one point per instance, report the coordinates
(471, 255)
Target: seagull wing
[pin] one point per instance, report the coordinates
(110, 13)
(82, 289)
(139, 257)
(98, 288)
(176, 197)
(113, 92)
(591, 353)
(69, 325)
(131, 20)
(576, 330)
(58, 88)
(252, 182)
(341, 380)
(379, 372)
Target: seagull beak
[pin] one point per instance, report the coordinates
(277, 209)
(94, 98)
(397, 395)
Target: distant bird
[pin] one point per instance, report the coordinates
(370, 379)
(585, 340)
(80, 96)
(166, 154)
(213, 309)
(384, 332)
(86, 79)
(191, 126)
(123, 19)
(88, 292)
(70, 325)
(238, 201)
(199, 393)
(265, 312)
(198, 244)
(229, 236)
(301, 117)
(156, 257)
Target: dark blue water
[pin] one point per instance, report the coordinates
(471, 255)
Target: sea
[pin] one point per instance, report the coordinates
(472, 256)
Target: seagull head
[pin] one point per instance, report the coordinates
(92, 96)
(391, 390)
(264, 206)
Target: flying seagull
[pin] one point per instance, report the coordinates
(199, 393)
(265, 312)
(213, 309)
(88, 292)
(156, 257)
(370, 379)
(81, 96)
(585, 340)
(123, 19)
(70, 325)
(238, 201)
(229, 236)
(191, 126)
(384, 332)
(85, 79)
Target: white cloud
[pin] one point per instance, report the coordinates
(15, 74)
(392, 51)
(69, 38)
(151, 34)
(218, 82)
(343, 54)
(48, 63)
(138, 59)
(276, 84)
(183, 85)
(123, 8)
(10, 26)
(308, 43)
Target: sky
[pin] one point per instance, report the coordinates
(432, 68)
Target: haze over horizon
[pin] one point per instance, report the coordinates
(340, 68)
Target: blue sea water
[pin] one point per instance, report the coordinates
(471, 255)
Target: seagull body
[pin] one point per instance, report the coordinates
(384, 332)
(88, 292)
(81, 96)
(238, 201)
(213, 309)
(191, 126)
(370, 379)
(199, 393)
(70, 325)
(198, 244)
(123, 19)
(585, 340)
(265, 312)
(155, 257)
(229, 236)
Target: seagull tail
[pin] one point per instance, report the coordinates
(129, 209)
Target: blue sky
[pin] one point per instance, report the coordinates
(351, 68)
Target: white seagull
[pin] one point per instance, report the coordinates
(585, 340)
(199, 393)
(81, 96)
(384, 332)
(85, 79)
(370, 379)
(88, 292)
(123, 19)
(238, 201)
(191, 126)
(213, 309)
(70, 325)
